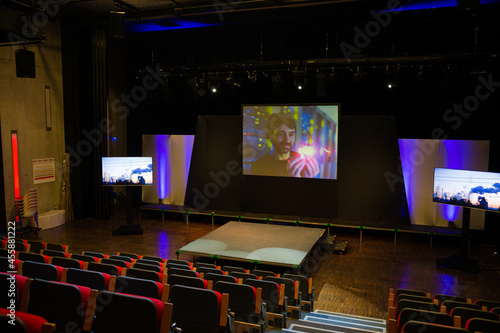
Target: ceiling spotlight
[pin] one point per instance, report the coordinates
(391, 76)
(213, 86)
(300, 83)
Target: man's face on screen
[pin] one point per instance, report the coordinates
(283, 139)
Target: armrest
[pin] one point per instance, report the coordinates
(90, 311)
(224, 309)
(166, 318)
(258, 301)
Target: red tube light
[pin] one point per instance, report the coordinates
(15, 164)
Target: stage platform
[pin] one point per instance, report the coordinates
(266, 244)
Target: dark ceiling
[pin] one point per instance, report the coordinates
(190, 36)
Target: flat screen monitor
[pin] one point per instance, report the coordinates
(135, 171)
(292, 140)
(467, 188)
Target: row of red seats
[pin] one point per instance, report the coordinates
(453, 313)
(19, 244)
(72, 307)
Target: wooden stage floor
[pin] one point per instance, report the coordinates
(268, 244)
(356, 282)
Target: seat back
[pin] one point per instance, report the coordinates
(263, 274)
(125, 313)
(177, 262)
(466, 313)
(20, 246)
(57, 247)
(144, 274)
(24, 322)
(206, 270)
(409, 292)
(241, 299)
(195, 310)
(28, 256)
(450, 305)
(67, 262)
(496, 310)
(303, 285)
(6, 264)
(231, 269)
(36, 246)
(136, 286)
(54, 253)
(59, 303)
(441, 298)
(488, 304)
(92, 279)
(94, 254)
(270, 293)
(130, 255)
(289, 287)
(13, 325)
(420, 327)
(483, 325)
(116, 262)
(414, 298)
(104, 268)
(148, 267)
(409, 304)
(122, 258)
(220, 277)
(83, 257)
(149, 262)
(39, 270)
(203, 264)
(244, 276)
(423, 316)
(179, 271)
(179, 266)
(158, 259)
(174, 279)
(7, 281)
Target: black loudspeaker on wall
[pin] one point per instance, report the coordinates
(116, 25)
(25, 63)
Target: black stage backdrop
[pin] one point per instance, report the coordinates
(361, 195)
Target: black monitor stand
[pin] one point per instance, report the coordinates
(462, 262)
(130, 228)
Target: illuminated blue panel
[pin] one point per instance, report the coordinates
(457, 154)
(163, 173)
(160, 26)
(419, 5)
(408, 160)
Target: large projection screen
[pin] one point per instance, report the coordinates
(290, 140)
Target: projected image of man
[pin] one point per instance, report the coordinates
(282, 160)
